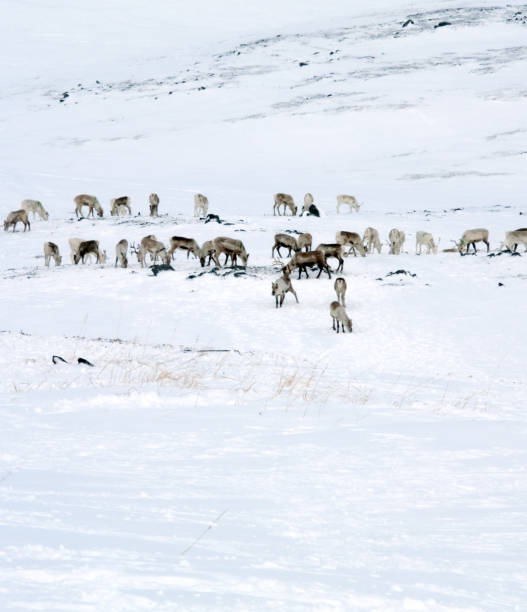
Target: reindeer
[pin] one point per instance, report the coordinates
(206, 250)
(120, 204)
(35, 207)
(90, 201)
(17, 216)
(150, 244)
(348, 200)
(232, 248)
(305, 241)
(140, 252)
(51, 250)
(371, 240)
(285, 200)
(310, 258)
(74, 247)
(89, 247)
(281, 286)
(470, 237)
(340, 287)
(396, 238)
(309, 207)
(425, 239)
(514, 238)
(154, 203)
(121, 250)
(186, 244)
(333, 250)
(353, 240)
(339, 316)
(284, 241)
(201, 205)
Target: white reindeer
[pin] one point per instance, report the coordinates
(201, 205)
(35, 207)
(514, 238)
(347, 200)
(121, 250)
(371, 240)
(425, 239)
(396, 238)
(470, 237)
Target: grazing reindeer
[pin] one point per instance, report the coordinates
(206, 250)
(396, 238)
(154, 203)
(285, 200)
(371, 240)
(514, 238)
(232, 248)
(353, 240)
(470, 237)
(339, 316)
(89, 247)
(155, 248)
(340, 289)
(425, 239)
(347, 200)
(74, 247)
(51, 250)
(120, 204)
(186, 244)
(201, 205)
(140, 253)
(121, 250)
(311, 258)
(285, 241)
(90, 201)
(309, 207)
(333, 250)
(17, 216)
(35, 207)
(305, 241)
(281, 286)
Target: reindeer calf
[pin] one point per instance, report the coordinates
(281, 286)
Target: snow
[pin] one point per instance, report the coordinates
(221, 453)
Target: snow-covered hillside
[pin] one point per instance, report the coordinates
(221, 453)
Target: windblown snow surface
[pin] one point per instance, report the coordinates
(222, 454)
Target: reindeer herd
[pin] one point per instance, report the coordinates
(299, 249)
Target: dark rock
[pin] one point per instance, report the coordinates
(301, 64)
(83, 361)
(56, 358)
(442, 24)
(408, 22)
(210, 217)
(157, 268)
(501, 285)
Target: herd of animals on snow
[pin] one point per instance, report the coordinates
(300, 250)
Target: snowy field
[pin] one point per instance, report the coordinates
(222, 454)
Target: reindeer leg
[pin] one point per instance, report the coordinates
(294, 293)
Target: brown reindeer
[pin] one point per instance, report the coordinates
(51, 250)
(186, 244)
(333, 250)
(232, 248)
(121, 250)
(339, 316)
(17, 216)
(90, 201)
(284, 241)
(311, 258)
